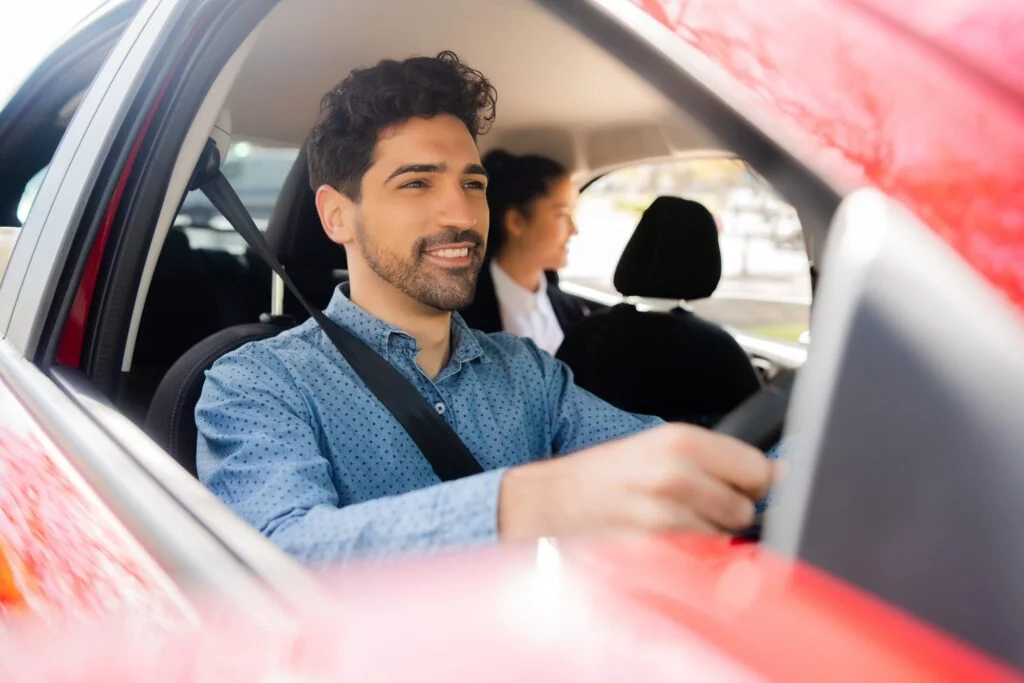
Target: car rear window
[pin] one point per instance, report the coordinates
(766, 286)
(257, 174)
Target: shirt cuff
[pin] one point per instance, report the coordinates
(470, 508)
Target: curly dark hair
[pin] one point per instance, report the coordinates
(371, 100)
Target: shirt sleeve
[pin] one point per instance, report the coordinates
(260, 453)
(580, 419)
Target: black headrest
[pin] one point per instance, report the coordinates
(673, 254)
(294, 232)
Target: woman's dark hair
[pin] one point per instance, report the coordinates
(369, 101)
(514, 182)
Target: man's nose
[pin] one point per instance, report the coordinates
(457, 210)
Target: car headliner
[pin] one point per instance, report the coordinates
(554, 84)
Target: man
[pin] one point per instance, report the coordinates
(294, 442)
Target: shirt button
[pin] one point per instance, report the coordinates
(440, 408)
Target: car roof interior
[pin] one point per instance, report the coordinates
(552, 82)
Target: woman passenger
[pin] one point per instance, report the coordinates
(531, 201)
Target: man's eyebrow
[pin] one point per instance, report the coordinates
(475, 169)
(416, 168)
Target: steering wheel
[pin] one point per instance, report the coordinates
(758, 421)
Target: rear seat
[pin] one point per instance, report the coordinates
(193, 293)
(313, 261)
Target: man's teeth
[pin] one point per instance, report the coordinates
(452, 253)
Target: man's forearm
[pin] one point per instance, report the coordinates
(455, 514)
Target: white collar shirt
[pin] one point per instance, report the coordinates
(525, 313)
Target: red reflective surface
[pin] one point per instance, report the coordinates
(869, 104)
(689, 609)
(62, 554)
(985, 34)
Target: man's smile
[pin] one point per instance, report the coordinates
(454, 255)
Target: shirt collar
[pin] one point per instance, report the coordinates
(382, 336)
(513, 294)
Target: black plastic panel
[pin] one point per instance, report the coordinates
(909, 460)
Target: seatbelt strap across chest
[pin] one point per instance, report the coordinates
(441, 446)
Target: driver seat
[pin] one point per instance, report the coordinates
(313, 261)
(672, 364)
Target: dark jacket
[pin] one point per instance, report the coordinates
(484, 315)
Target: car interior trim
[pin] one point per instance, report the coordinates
(908, 411)
(188, 156)
(223, 29)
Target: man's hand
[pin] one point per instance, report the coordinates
(673, 477)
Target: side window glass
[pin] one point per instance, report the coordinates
(257, 173)
(765, 288)
(9, 234)
(28, 195)
(58, 54)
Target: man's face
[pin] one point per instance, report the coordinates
(420, 224)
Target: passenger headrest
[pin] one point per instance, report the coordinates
(673, 254)
(294, 231)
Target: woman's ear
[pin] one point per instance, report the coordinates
(515, 222)
(337, 214)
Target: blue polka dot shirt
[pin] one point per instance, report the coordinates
(292, 440)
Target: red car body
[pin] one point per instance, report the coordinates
(924, 101)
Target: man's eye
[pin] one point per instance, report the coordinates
(473, 185)
(414, 184)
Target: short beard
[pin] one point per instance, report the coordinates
(440, 288)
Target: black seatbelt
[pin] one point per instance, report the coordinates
(438, 442)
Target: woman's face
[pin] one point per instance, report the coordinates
(544, 234)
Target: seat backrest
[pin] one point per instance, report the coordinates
(297, 238)
(672, 364)
(178, 312)
(170, 421)
(193, 293)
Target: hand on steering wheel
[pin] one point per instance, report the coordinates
(758, 421)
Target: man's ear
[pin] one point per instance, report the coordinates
(337, 214)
